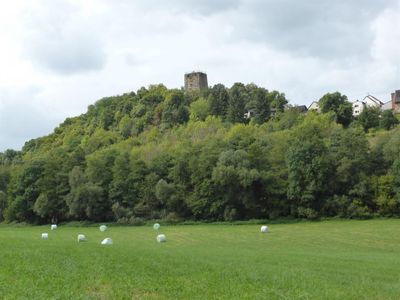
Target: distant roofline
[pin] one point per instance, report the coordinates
(374, 99)
(312, 104)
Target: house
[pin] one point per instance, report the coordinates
(387, 105)
(301, 108)
(371, 101)
(368, 101)
(358, 107)
(314, 106)
(249, 114)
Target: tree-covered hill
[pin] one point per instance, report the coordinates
(170, 154)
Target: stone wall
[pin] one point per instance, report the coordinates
(195, 81)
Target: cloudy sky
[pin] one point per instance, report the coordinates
(59, 56)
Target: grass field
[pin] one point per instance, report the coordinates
(321, 260)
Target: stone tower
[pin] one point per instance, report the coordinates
(196, 81)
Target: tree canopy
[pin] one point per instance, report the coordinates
(168, 154)
(338, 104)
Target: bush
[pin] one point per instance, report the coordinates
(307, 213)
(173, 218)
(387, 206)
(336, 206)
(359, 210)
(230, 214)
(131, 221)
(120, 212)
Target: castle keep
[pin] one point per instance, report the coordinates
(196, 81)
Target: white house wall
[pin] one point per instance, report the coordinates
(314, 106)
(358, 107)
(371, 103)
(387, 105)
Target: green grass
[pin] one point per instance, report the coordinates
(321, 260)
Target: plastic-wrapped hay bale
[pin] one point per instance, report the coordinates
(81, 238)
(264, 229)
(107, 241)
(161, 238)
(45, 236)
(103, 228)
(53, 227)
(156, 226)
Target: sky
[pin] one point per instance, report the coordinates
(59, 56)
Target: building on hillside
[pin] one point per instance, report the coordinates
(396, 101)
(273, 111)
(196, 81)
(314, 106)
(358, 107)
(301, 108)
(371, 101)
(387, 105)
(249, 114)
(368, 101)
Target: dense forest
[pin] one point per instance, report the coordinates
(169, 154)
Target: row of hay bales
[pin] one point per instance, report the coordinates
(81, 237)
(161, 238)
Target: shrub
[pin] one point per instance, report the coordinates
(359, 210)
(307, 213)
(230, 214)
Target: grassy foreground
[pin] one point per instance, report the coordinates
(324, 260)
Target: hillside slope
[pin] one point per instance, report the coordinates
(161, 153)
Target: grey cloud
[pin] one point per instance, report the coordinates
(326, 29)
(58, 39)
(20, 119)
(67, 52)
(205, 7)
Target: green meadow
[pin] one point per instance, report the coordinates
(310, 260)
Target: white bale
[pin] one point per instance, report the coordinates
(156, 226)
(81, 238)
(107, 241)
(103, 228)
(45, 236)
(264, 229)
(161, 238)
(53, 227)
